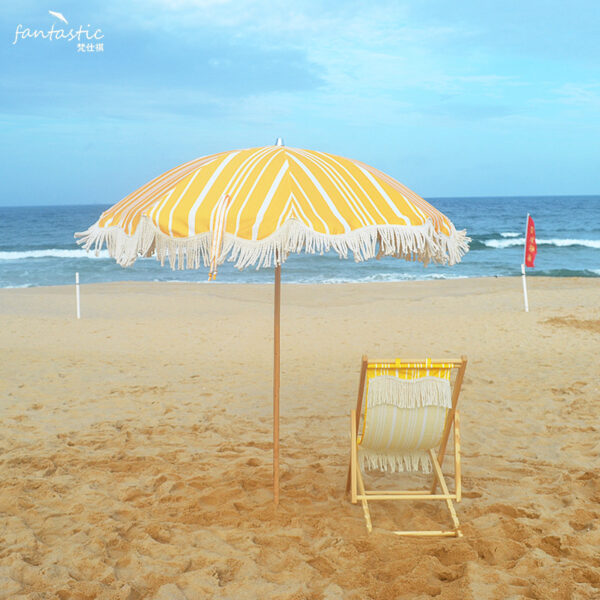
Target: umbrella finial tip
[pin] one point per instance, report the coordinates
(279, 142)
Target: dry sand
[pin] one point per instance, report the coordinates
(135, 444)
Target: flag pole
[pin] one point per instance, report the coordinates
(523, 267)
(77, 297)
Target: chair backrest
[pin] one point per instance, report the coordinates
(407, 404)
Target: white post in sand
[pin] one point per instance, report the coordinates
(525, 288)
(523, 267)
(77, 295)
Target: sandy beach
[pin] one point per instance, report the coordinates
(135, 444)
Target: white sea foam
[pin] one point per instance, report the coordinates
(378, 277)
(381, 278)
(586, 243)
(441, 276)
(510, 234)
(554, 242)
(504, 243)
(51, 253)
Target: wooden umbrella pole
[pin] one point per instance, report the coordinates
(276, 360)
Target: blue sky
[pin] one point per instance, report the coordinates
(468, 98)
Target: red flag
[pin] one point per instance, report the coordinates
(530, 243)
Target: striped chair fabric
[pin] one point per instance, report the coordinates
(404, 417)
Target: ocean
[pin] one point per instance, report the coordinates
(37, 247)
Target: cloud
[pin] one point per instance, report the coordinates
(172, 55)
(579, 95)
(251, 61)
(469, 111)
(140, 71)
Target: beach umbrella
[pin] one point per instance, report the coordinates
(256, 206)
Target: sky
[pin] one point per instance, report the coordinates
(471, 98)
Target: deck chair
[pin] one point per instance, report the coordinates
(409, 412)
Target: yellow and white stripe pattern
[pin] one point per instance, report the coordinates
(281, 200)
(217, 225)
(401, 425)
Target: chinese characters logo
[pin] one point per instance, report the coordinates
(88, 39)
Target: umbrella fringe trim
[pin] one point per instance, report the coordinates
(416, 243)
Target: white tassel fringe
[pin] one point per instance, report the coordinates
(410, 462)
(409, 393)
(419, 242)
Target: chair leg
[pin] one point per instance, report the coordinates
(349, 477)
(451, 420)
(361, 494)
(353, 458)
(442, 482)
(457, 470)
(365, 505)
(359, 399)
(355, 474)
(350, 480)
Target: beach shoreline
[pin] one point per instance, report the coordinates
(136, 442)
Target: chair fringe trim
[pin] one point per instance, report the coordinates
(409, 461)
(419, 242)
(409, 393)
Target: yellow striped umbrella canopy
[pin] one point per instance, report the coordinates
(257, 205)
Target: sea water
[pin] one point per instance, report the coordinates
(37, 247)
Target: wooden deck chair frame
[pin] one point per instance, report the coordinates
(355, 483)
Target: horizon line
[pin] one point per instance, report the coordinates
(427, 198)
